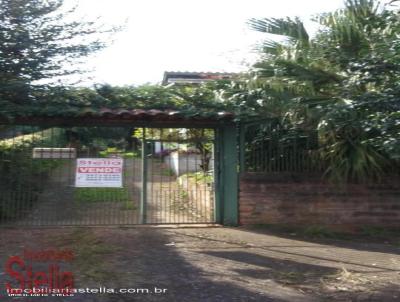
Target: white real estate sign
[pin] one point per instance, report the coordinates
(99, 172)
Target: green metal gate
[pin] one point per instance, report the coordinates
(167, 176)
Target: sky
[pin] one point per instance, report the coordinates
(183, 35)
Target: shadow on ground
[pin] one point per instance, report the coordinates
(387, 243)
(282, 271)
(208, 264)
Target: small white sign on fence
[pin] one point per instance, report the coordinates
(54, 153)
(99, 172)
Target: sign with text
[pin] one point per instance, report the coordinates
(99, 172)
(54, 153)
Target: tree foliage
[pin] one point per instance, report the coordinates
(41, 41)
(190, 101)
(343, 81)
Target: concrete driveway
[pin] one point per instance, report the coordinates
(204, 264)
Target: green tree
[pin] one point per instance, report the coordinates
(344, 81)
(39, 43)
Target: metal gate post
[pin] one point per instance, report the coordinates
(228, 184)
(218, 205)
(143, 197)
(242, 159)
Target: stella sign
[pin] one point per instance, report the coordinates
(99, 172)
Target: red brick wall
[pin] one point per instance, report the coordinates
(277, 199)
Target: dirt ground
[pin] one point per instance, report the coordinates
(210, 264)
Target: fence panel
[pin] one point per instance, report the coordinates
(270, 148)
(65, 176)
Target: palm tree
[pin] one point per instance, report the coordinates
(336, 81)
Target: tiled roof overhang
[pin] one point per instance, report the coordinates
(134, 117)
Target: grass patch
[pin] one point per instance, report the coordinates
(378, 232)
(316, 231)
(88, 195)
(116, 152)
(167, 172)
(129, 206)
(200, 177)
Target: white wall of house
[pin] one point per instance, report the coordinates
(185, 163)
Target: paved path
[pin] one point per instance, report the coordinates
(215, 264)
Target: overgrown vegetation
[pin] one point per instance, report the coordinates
(21, 177)
(342, 82)
(338, 87)
(198, 177)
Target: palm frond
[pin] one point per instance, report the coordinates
(272, 47)
(362, 10)
(291, 28)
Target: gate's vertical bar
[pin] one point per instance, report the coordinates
(143, 199)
